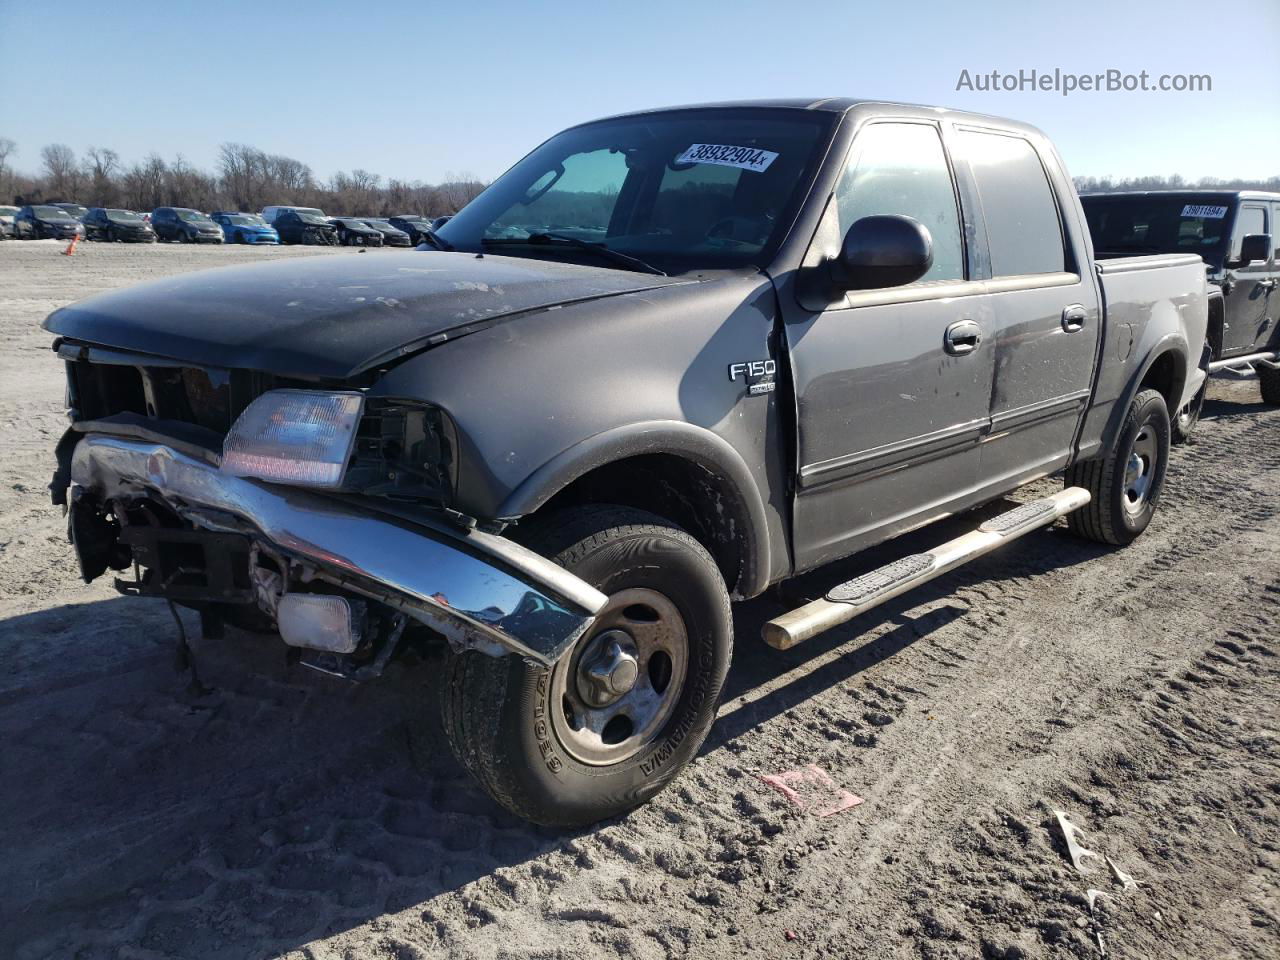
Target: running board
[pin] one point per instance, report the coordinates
(861, 594)
(1235, 364)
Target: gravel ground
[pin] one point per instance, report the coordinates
(288, 814)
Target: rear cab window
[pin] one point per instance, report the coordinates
(1019, 207)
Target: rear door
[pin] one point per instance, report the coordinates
(1045, 322)
(890, 410)
(1248, 318)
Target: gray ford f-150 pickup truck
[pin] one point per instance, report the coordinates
(667, 359)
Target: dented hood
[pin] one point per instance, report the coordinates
(331, 316)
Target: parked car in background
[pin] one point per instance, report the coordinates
(304, 225)
(76, 210)
(559, 459)
(244, 227)
(416, 227)
(184, 225)
(391, 236)
(356, 233)
(1237, 235)
(6, 222)
(103, 223)
(44, 221)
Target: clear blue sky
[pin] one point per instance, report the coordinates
(419, 90)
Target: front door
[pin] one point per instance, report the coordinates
(892, 385)
(1046, 326)
(1247, 318)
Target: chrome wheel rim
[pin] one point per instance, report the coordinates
(1140, 470)
(614, 693)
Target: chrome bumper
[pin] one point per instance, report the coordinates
(477, 589)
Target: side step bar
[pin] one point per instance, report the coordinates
(860, 594)
(1268, 358)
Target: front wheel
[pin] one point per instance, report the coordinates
(622, 712)
(1269, 383)
(1126, 482)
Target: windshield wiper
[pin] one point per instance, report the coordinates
(437, 241)
(617, 256)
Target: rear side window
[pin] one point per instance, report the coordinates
(901, 168)
(1024, 232)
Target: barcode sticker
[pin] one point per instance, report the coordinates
(1204, 213)
(746, 158)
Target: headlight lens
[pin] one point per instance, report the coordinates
(299, 437)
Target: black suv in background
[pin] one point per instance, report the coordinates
(184, 225)
(45, 221)
(101, 223)
(391, 236)
(301, 226)
(416, 227)
(356, 233)
(1235, 233)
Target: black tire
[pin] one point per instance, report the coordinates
(508, 722)
(1115, 515)
(1269, 384)
(1184, 424)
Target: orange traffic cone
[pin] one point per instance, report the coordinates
(71, 247)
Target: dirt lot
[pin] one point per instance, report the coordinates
(288, 814)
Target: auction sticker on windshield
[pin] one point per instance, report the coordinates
(746, 158)
(1203, 212)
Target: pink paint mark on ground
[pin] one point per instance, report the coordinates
(811, 788)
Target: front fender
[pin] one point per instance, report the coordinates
(672, 437)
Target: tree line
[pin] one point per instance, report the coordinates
(1175, 182)
(245, 178)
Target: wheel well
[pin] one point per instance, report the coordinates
(680, 490)
(1166, 375)
(1217, 317)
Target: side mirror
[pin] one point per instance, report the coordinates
(883, 251)
(1255, 246)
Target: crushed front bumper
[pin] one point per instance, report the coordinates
(477, 589)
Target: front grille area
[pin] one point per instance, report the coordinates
(405, 449)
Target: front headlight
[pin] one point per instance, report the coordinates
(299, 437)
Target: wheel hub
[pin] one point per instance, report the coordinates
(608, 669)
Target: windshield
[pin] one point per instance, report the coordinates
(8, 211)
(192, 216)
(51, 213)
(123, 216)
(74, 210)
(245, 220)
(309, 212)
(1174, 224)
(687, 190)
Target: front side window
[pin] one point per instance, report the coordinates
(681, 191)
(1024, 232)
(1250, 220)
(901, 168)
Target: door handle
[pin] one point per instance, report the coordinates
(1073, 318)
(1266, 284)
(962, 337)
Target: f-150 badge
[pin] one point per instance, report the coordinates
(758, 374)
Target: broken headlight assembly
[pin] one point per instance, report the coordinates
(346, 442)
(300, 437)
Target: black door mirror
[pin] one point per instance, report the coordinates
(1254, 247)
(883, 251)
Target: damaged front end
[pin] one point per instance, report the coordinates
(339, 575)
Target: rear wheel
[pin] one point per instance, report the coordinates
(622, 712)
(1125, 483)
(1269, 383)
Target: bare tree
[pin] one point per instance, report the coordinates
(60, 167)
(101, 166)
(7, 148)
